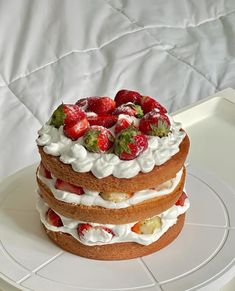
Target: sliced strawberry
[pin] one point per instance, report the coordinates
(76, 129)
(99, 105)
(84, 227)
(148, 104)
(102, 120)
(129, 143)
(181, 200)
(53, 218)
(130, 109)
(155, 123)
(125, 96)
(98, 139)
(66, 114)
(44, 172)
(65, 186)
(121, 124)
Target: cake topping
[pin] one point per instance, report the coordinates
(147, 226)
(130, 109)
(125, 96)
(102, 120)
(65, 186)
(99, 105)
(53, 219)
(148, 104)
(129, 143)
(121, 124)
(98, 139)
(155, 123)
(65, 114)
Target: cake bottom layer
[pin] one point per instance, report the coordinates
(116, 251)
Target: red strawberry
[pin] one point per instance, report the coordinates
(99, 105)
(53, 218)
(65, 186)
(155, 123)
(83, 103)
(83, 227)
(125, 96)
(181, 200)
(66, 114)
(148, 104)
(129, 109)
(121, 124)
(98, 139)
(76, 129)
(44, 172)
(129, 143)
(102, 120)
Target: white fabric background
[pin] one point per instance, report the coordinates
(175, 51)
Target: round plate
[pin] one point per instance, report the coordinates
(200, 258)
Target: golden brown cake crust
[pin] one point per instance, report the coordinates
(117, 251)
(99, 214)
(141, 181)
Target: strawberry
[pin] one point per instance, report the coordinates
(129, 143)
(147, 226)
(76, 129)
(124, 96)
(83, 227)
(65, 186)
(44, 172)
(102, 120)
(66, 114)
(155, 123)
(130, 109)
(148, 104)
(99, 105)
(98, 139)
(53, 218)
(181, 200)
(121, 124)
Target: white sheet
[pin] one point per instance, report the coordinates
(175, 51)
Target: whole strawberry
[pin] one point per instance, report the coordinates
(125, 96)
(155, 123)
(129, 143)
(99, 105)
(148, 104)
(65, 114)
(121, 124)
(103, 120)
(98, 139)
(76, 129)
(130, 109)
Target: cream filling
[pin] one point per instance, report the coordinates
(92, 198)
(122, 232)
(159, 151)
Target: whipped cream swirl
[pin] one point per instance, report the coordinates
(93, 198)
(159, 151)
(122, 232)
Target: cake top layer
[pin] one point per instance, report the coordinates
(119, 137)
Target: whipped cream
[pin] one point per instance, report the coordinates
(122, 232)
(159, 150)
(92, 198)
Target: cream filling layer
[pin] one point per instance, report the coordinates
(92, 198)
(159, 151)
(122, 232)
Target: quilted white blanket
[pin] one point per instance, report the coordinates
(175, 51)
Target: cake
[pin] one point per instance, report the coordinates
(111, 177)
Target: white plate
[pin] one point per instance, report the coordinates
(201, 255)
